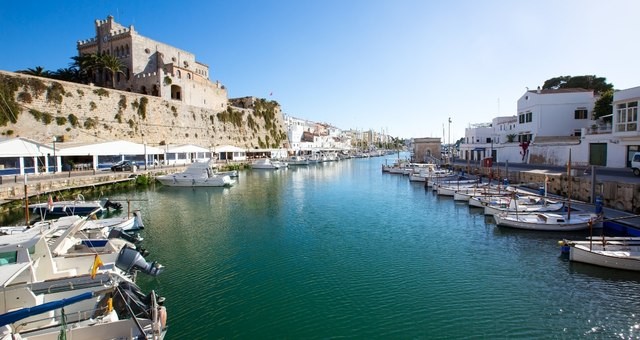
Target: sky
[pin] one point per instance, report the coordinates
(403, 67)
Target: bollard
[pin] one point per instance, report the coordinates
(599, 204)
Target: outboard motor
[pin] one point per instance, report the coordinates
(119, 233)
(112, 205)
(130, 259)
(131, 295)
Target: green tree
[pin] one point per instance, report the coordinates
(590, 82)
(602, 106)
(37, 71)
(113, 66)
(88, 65)
(67, 74)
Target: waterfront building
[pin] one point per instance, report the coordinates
(186, 154)
(625, 132)
(22, 155)
(101, 155)
(426, 150)
(554, 112)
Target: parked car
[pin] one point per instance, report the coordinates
(122, 166)
(635, 164)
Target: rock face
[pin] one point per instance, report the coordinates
(41, 108)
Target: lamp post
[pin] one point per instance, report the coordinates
(145, 155)
(55, 160)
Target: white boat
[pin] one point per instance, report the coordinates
(548, 221)
(265, 163)
(230, 173)
(611, 252)
(480, 201)
(131, 222)
(427, 172)
(41, 269)
(400, 166)
(280, 163)
(527, 204)
(297, 160)
(78, 206)
(450, 190)
(198, 174)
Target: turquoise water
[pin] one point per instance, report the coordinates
(342, 250)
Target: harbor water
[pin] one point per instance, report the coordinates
(342, 250)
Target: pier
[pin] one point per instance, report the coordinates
(13, 188)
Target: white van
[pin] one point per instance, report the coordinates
(635, 164)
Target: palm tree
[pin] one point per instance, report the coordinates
(67, 74)
(37, 71)
(113, 65)
(88, 65)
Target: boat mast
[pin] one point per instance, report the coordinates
(569, 185)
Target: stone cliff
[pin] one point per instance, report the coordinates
(41, 108)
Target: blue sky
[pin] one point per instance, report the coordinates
(404, 66)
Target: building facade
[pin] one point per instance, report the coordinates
(426, 150)
(554, 112)
(153, 68)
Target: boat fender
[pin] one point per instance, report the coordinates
(138, 222)
(162, 311)
(565, 247)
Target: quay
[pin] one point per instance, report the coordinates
(12, 188)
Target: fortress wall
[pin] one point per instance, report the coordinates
(107, 114)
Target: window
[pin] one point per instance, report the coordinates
(488, 140)
(526, 117)
(627, 116)
(581, 114)
(8, 257)
(525, 138)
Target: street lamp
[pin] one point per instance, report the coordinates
(145, 154)
(55, 160)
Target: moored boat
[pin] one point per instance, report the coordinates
(198, 174)
(612, 252)
(54, 208)
(546, 221)
(265, 163)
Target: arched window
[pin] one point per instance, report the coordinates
(188, 75)
(126, 50)
(179, 74)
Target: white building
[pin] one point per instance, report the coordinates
(483, 140)
(625, 132)
(554, 112)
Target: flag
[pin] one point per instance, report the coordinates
(97, 262)
(50, 203)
